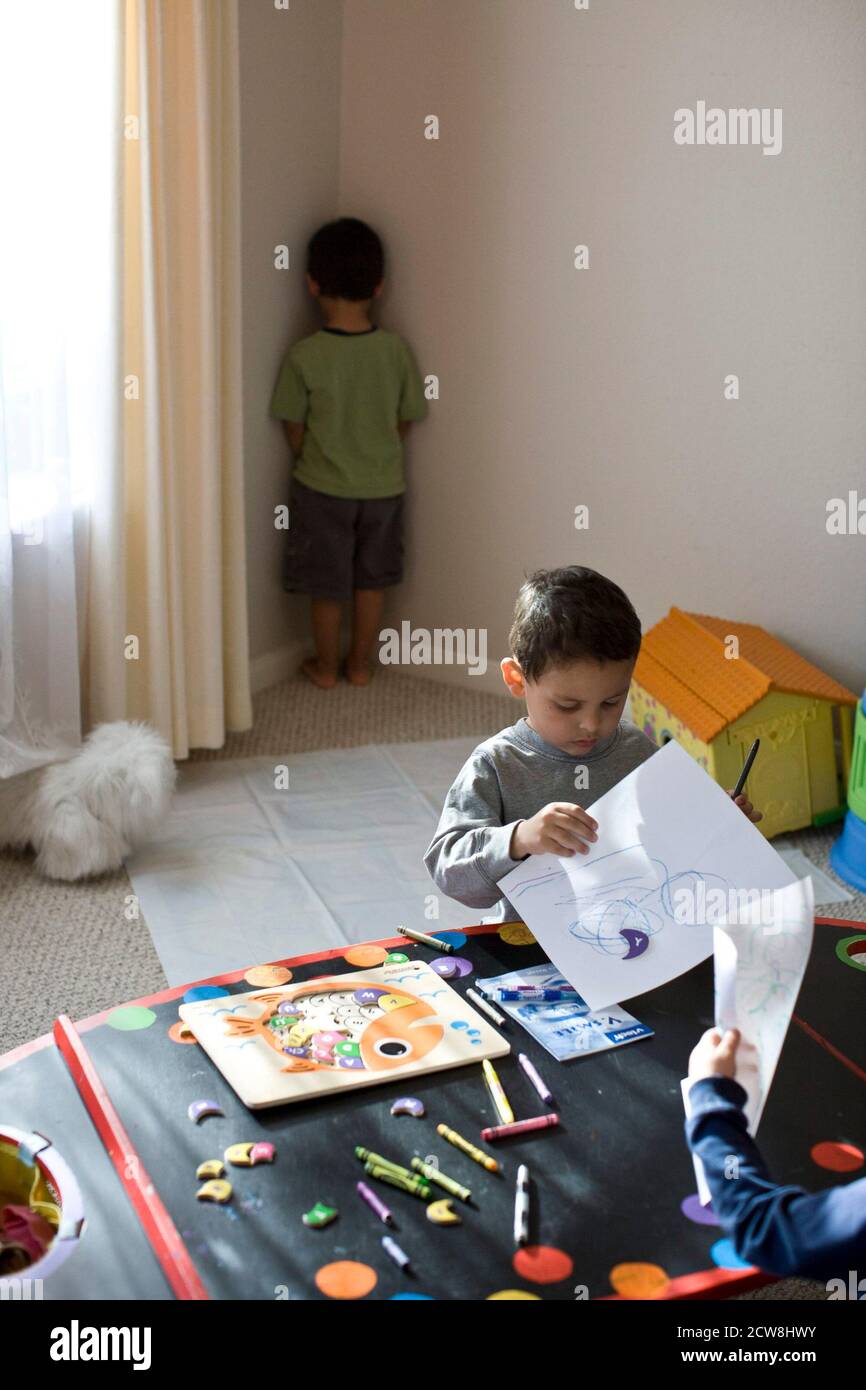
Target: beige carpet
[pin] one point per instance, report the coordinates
(74, 948)
(78, 949)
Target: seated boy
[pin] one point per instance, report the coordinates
(574, 642)
(782, 1230)
(347, 395)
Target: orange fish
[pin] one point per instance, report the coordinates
(404, 1030)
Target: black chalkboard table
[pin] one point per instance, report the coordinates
(607, 1186)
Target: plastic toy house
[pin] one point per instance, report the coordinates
(715, 695)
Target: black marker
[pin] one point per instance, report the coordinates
(741, 780)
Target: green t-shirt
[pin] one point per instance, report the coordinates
(350, 390)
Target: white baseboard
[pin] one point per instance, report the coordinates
(272, 667)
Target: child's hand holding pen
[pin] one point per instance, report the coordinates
(747, 808)
(740, 799)
(715, 1054)
(559, 828)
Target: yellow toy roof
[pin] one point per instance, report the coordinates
(682, 663)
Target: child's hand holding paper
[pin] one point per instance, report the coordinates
(558, 828)
(715, 1055)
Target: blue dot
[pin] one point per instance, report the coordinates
(198, 992)
(726, 1257)
(415, 1297)
(451, 938)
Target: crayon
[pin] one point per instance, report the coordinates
(391, 1248)
(484, 1006)
(414, 1184)
(368, 1195)
(424, 940)
(432, 1174)
(534, 1077)
(521, 1206)
(519, 1127)
(486, 1160)
(497, 1092)
(367, 1156)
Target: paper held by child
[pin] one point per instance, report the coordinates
(673, 854)
(340, 1032)
(760, 960)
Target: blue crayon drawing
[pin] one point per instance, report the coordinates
(620, 913)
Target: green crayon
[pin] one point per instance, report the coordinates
(432, 1174)
(416, 1185)
(367, 1156)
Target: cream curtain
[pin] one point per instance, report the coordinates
(166, 630)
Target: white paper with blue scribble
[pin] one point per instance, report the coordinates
(667, 833)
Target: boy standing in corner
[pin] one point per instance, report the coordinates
(347, 396)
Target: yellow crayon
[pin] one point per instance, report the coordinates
(472, 1150)
(497, 1092)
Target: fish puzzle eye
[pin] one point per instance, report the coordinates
(393, 1048)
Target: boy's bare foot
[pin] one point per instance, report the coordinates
(358, 673)
(319, 675)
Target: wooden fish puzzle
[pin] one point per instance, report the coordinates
(340, 1032)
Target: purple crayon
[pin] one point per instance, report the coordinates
(534, 1077)
(368, 1195)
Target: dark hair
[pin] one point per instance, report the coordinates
(564, 614)
(346, 259)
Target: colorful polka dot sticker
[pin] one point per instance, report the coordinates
(264, 975)
(346, 1279)
(702, 1216)
(516, 934)
(451, 938)
(726, 1257)
(366, 956)
(462, 966)
(414, 1297)
(639, 1280)
(181, 1032)
(444, 967)
(396, 958)
(543, 1264)
(852, 951)
(131, 1018)
(199, 992)
(512, 1295)
(838, 1158)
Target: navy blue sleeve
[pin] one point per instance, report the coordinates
(783, 1230)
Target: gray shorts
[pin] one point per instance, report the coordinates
(335, 545)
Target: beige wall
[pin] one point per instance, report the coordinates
(290, 128)
(601, 387)
(604, 387)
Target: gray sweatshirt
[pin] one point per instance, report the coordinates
(508, 779)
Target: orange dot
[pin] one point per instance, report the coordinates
(346, 1279)
(263, 975)
(639, 1280)
(543, 1264)
(180, 1032)
(839, 1158)
(512, 1294)
(366, 955)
